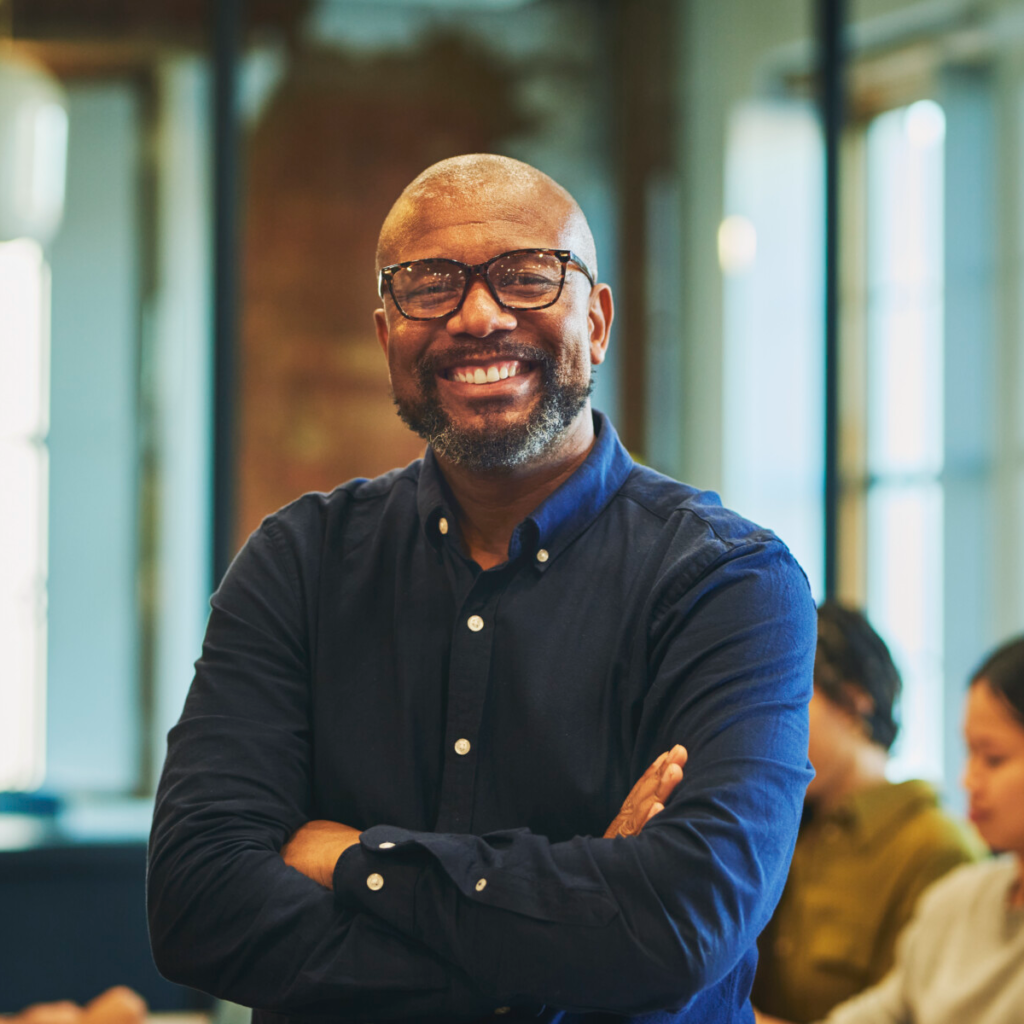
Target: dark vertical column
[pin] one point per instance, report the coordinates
(831, 81)
(227, 27)
(642, 38)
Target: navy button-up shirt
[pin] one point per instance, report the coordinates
(483, 729)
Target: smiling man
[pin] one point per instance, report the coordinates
(431, 764)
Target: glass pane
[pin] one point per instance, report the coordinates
(905, 574)
(22, 636)
(770, 252)
(905, 282)
(22, 386)
(22, 613)
(22, 513)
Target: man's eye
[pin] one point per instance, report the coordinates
(428, 294)
(528, 282)
(431, 288)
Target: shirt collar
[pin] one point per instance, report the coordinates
(559, 519)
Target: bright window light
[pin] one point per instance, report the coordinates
(24, 301)
(770, 250)
(737, 244)
(905, 155)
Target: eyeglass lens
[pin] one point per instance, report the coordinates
(432, 288)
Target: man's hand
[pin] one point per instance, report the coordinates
(647, 798)
(315, 848)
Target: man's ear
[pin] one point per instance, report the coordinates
(600, 314)
(380, 322)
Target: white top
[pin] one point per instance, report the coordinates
(959, 960)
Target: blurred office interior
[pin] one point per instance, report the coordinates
(190, 192)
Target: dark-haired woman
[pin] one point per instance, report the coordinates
(961, 958)
(867, 848)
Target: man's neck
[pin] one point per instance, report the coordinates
(491, 504)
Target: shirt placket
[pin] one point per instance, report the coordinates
(468, 678)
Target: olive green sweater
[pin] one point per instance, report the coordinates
(856, 876)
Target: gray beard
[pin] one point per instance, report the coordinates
(505, 447)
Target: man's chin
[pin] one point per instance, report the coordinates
(483, 450)
(499, 436)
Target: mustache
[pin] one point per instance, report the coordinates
(434, 362)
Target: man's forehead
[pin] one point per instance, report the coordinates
(475, 227)
(474, 239)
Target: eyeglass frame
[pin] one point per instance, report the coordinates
(566, 256)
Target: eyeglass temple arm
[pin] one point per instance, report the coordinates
(580, 263)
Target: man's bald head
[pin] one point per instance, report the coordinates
(492, 185)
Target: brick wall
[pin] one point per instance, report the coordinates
(334, 148)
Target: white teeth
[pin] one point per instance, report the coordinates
(489, 376)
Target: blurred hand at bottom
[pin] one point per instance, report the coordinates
(118, 1005)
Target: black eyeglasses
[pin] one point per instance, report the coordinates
(520, 279)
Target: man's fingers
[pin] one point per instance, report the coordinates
(677, 755)
(656, 808)
(670, 778)
(659, 781)
(647, 798)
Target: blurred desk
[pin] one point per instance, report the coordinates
(73, 923)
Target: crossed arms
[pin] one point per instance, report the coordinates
(314, 849)
(626, 925)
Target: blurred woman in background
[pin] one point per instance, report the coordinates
(961, 958)
(867, 848)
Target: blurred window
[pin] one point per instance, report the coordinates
(93, 662)
(24, 342)
(770, 250)
(104, 452)
(904, 493)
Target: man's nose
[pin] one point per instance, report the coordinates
(479, 315)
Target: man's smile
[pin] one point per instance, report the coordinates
(509, 372)
(486, 373)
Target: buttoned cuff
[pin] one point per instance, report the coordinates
(379, 875)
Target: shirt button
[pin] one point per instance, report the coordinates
(475, 623)
(442, 525)
(481, 885)
(462, 746)
(542, 555)
(375, 882)
(386, 846)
